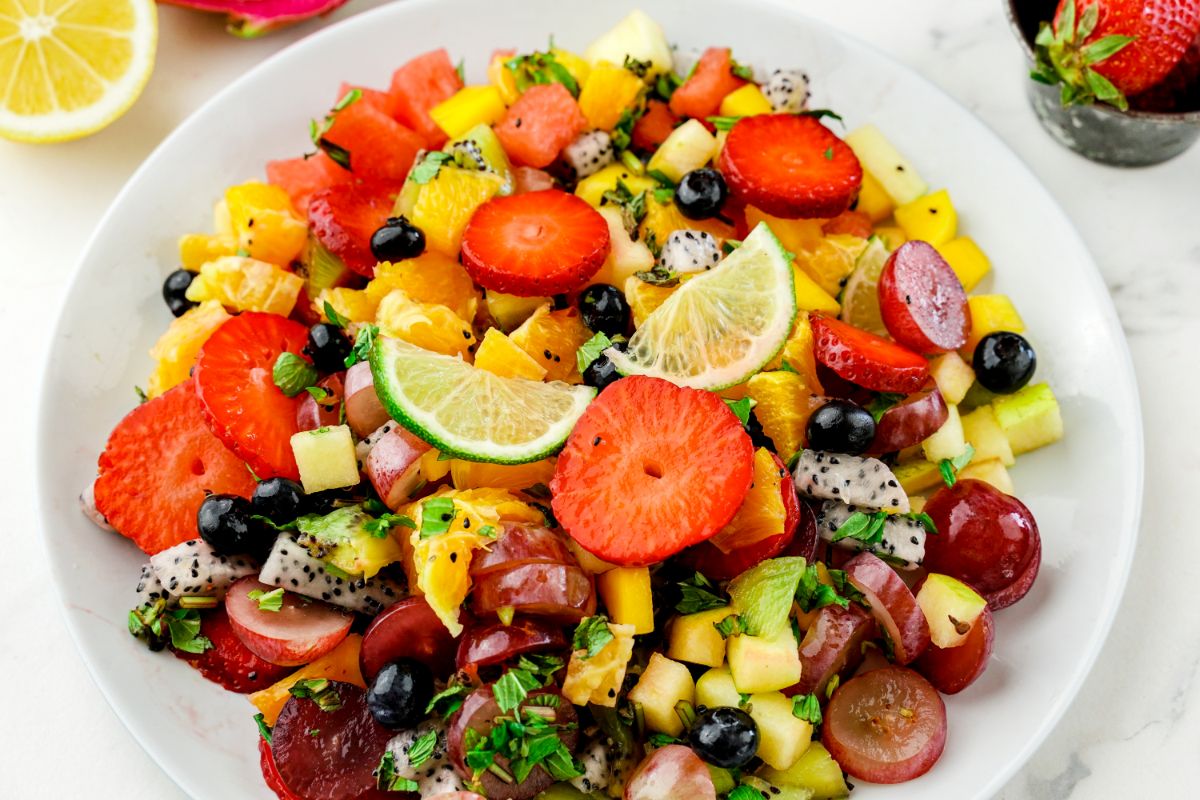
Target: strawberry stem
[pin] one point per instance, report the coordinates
(1063, 56)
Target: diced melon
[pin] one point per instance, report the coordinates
(815, 770)
(764, 665)
(991, 313)
(689, 147)
(991, 471)
(662, 686)
(917, 476)
(948, 441)
(715, 688)
(952, 375)
(745, 101)
(326, 458)
(1030, 419)
(782, 737)
(626, 594)
(983, 432)
(598, 679)
(873, 200)
(950, 608)
(694, 639)
(894, 172)
(637, 36)
(930, 218)
(969, 263)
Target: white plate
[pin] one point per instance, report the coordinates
(1085, 492)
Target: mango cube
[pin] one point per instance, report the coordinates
(745, 101)
(694, 639)
(917, 476)
(931, 218)
(764, 665)
(468, 107)
(967, 260)
(815, 771)
(626, 595)
(873, 200)
(782, 737)
(983, 431)
(326, 458)
(592, 188)
(991, 313)
(663, 685)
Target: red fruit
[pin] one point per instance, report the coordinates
(892, 605)
(407, 629)
(910, 422)
(266, 761)
(528, 179)
(670, 773)
(701, 94)
(299, 632)
(343, 217)
(885, 726)
(1162, 31)
(242, 404)
(953, 669)
(790, 166)
(559, 591)
(535, 244)
(853, 223)
(493, 643)
(540, 124)
(229, 662)
(921, 300)
(653, 126)
(378, 147)
(374, 98)
(301, 178)
(865, 359)
(364, 410)
(394, 466)
(521, 544)
(312, 415)
(832, 645)
(420, 85)
(159, 464)
(650, 469)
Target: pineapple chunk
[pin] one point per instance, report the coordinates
(949, 441)
(991, 313)
(637, 36)
(967, 260)
(498, 355)
(894, 172)
(689, 147)
(592, 188)
(693, 639)
(782, 737)
(715, 688)
(607, 92)
(952, 375)
(917, 476)
(179, 346)
(599, 678)
(981, 429)
(326, 458)
(816, 771)
(991, 471)
(764, 665)
(745, 101)
(1030, 419)
(873, 200)
(246, 284)
(468, 107)
(931, 218)
(626, 594)
(663, 685)
(508, 311)
(625, 257)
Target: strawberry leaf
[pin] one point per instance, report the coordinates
(1103, 48)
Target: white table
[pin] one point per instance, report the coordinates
(1134, 729)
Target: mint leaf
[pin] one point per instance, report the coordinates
(807, 708)
(590, 350)
(421, 750)
(741, 408)
(513, 687)
(448, 700)
(334, 317)
(698, 594)
(292, 374)
(428, 168)
(949, 467)
(386, 778)
(267, 601)
(592, 635)
(723, 123)
(183, 626)
(364, 343)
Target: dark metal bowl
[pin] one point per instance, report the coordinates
(1100, 132)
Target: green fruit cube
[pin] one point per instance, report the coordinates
(815, 770)
(689, 147)
(950, 607)
(1030, 419)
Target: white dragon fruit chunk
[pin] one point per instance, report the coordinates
(194, 569)
(857, 480)
(291, 566)
(590, 153)
(87, 504)
(151, 589)
(902, 544)
(787, 91)
(365, 444)
(434, 775)
(690, 251)
(593, 757)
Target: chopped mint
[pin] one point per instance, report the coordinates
(662, 739)
(513, 687)
(658, 276)
(421, 750)
(267, 601)
(698, 594)
(743, 699)
(339, 525)
(924, 519)
(832, 686)
(743, 71)
(429, 166)
(592, 635)
(385, 522)
(540, 68)
(949, 467)
(741, 408)
(318, 394)
(881, 403)
(665, 85)
(723, 123)
(141, 394)
(811, 594)
(807, 708)
(320, 690)
(866, 528)
(364, 342)
(198, 602)
(386, 778)
(729, 245)
(183, 625)
(460, 68)
(622, 135)
(821, 113)
(590, 350)
(293, 374)
(334, 317)
(436, 515)
(632, 206)
(730, 626)
(448, 700)
(828, 154)
(664, 192)
(637, 67)
(487, 532)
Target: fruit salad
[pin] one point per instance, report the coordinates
(616, 426)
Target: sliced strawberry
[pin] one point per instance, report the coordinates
(701, 94)
(420, 85)
(539, 125)
(344, 217)
(790, 166)
(535, 244)
(654, 126)
(378, 147)
(271, 776)
(650, 469)
(301, 178)
(160, 462)
(865, 359)
(242, 404)
(229, 662)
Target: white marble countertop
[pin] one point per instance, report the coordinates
(1134, 730)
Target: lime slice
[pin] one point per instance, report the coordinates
(721, 327)
(469, 412)
(860, 298)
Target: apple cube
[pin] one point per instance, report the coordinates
(952, 375)
(763, 665)
(689, 147)
(948, 441)
(326, 458)
(816, 771)
(879, 157)
(626, 594)
(663, 685)
(1030, 418)
(951, 608)
(991, 471)
(694, 639)
(715, 688)
(981, 429)
(782, 737)
(637, 36)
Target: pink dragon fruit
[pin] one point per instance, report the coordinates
(251, 18)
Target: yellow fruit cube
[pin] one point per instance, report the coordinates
(578, 66)
(340, 664)
(948, 441)
(429, 278)
(626, 594)
(552, 339)
(782, 408)
(663, 685)
(688, 147)
(745, 101)
(508, 311)
(892, 235)
(592, 188)
(810, 296)
(428, 325)
(503, 79)
(873, 200)
(693, 639)
(814, 772)
(761, 664)
(931, 218)
(352, 304)
(197, 249)
(1030, 418)
(246, 284)
(177, 349)
(264, 223)
(607, 92)
(715, 688)
(796, 235)
(983, 431)
(952, 375)
(326, 458)
(761, 514)
(598, 679)
(991, 313)
(443, 206)
(917, 476)
(636, 36)
(990, 471)
(782, 736)
(969, 263)
(497, 354)
(468, 107)
(482, 475)
(625, 256)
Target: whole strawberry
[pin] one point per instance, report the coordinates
(1109, 49)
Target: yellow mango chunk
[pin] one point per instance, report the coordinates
(661, 687)
(745, 101)
(990, 313)
(468, 107)
(693, 639)
(503, 79)
(197, 249)
(482, 475)
(969, 263)
(339, 664)
(626, 594)
(873, 200)
(931, 218)
(592, 188)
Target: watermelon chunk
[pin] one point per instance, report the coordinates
(701, 94)
(420, 85)
(380, 148)
(372, 97)
(654, 126)
(539, 125)
(303, 177)
(343, 217)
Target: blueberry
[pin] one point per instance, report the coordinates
(278, 499)
(397, 240)
(604, 309)
(725, 737)
(328, 347)
(841, 426)
(224, 521)
(399, 694)
(601, 372)
(1004, 362)
(174, 291)
(701, 193)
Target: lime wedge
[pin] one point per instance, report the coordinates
(471, 413)
(721, 327)
(860, 298)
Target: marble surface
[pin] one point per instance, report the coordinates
(1135, 726)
